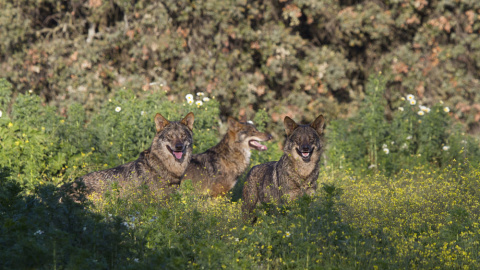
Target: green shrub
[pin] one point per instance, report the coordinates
(415, 135)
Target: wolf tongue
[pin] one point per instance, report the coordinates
(305, 154)
(177, 155)
(257, 144)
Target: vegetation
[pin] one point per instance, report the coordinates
(381, 205)
(291, 57)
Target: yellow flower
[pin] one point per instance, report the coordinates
(10, 124)
(446, 109)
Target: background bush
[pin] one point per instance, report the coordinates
(292, 57)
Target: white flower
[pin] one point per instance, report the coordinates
(446, 109)
(206, 99)
(84, 228)
(199, 103)
(142, 113)
(136, 260)
(189, 97)
(446, 147)
(190, 101)
(420, 113)
(404, 146)
(236, 239)
(424, 108)
(413, 102)
(200, 94)
(400, 109)
(410, 97)
(409, 137)
(39, 232)
(386, 150)
(287, 234)
(118, 109)
(384, 145)
(1, 113)
(392, 142)
(372, 166)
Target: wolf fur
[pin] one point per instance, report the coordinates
(294, 174)
(160, 167)
(215, 171)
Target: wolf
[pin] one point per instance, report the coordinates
(160, 167)
(215, 171)
(294, 174)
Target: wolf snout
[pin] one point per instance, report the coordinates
(179, 147)
(269, 137)
(306, 148)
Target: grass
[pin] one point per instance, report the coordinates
(418, 219)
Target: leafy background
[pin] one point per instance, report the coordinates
(295, 57)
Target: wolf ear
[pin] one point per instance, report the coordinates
(318, 124)
(290, 125)
(160, 122)
(188, 120)
(233, 124)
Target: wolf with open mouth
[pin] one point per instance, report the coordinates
(294, 174)
(215, 171)
(160, 167)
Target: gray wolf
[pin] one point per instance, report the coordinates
(294, 175)
(215, 171)
(160, 167)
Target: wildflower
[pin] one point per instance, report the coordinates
(190, 101)
(424, 108)
(200, 94)
(30, 91)
(206, 99)
(420, 113)
(1, 113)
(410, 97)
(386, 150)
(118, 109)
(142, 113)
(384, 145)
(413, 102)
(287, 234)
(400, 109)
(136, 260)
(372, 166)
(199, 103)
(409, 137)
(402, 99)
(39, 232)
(10, 124)
(84, 228)
(392, 142)
(236, 239)
(446, 147)
(189, 97)
(446, 109)
(404, 146)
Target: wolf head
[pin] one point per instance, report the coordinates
(173, 142)
(247, 135)
(304, 142)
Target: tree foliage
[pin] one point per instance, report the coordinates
(295, 57)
